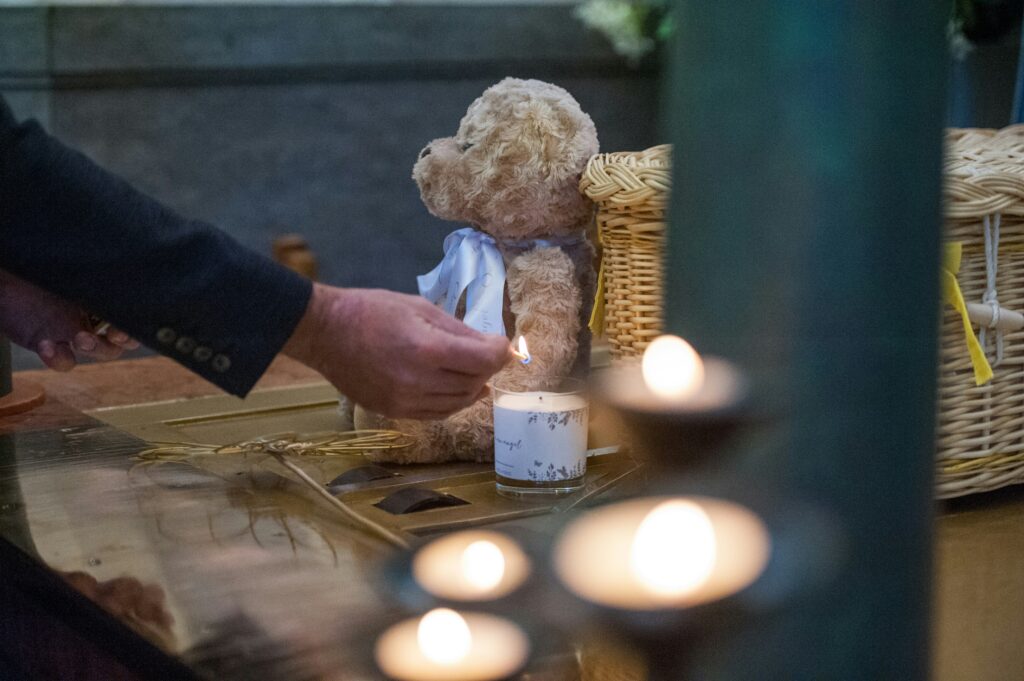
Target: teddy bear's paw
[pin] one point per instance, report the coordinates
(428, 444)
(416, 453)
(485, 456)
(364, 419)
(470, 433)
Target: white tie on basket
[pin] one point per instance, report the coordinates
(991, 297)
(472, 263)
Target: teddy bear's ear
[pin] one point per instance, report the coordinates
(561, 140)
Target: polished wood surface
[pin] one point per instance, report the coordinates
(25, 395)
(151, 379)
(205, 557)
(133, 381)
(979, 584)
(219, 556)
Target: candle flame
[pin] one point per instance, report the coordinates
(483, 565)
(522, 353)
(444, 636)
(674, 549)
(672, 369)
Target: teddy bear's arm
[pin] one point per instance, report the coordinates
(545, 297)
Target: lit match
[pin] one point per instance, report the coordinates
(522, 353)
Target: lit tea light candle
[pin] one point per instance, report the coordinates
(662, 553)
(445, 645)
(444, 637)
(673, 568)
(522, 353)
(672, 369)
(672, 377)
(474, 565)
(483, 565)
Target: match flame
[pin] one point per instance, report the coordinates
(522, 353)
(444, 636)
(674, 549)
(483, 565)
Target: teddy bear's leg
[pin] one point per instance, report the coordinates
(545, 298)
(424, 433)
(465, 436)
(470, 432)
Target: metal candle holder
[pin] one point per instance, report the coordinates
(679, 435)
(805, 554)
(682, 439)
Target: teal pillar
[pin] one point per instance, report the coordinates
(804, 245)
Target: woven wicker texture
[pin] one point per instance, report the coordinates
(631, 190)
(981, 428)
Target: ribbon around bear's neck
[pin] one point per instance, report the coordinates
(472, 263)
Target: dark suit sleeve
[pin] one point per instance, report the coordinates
(180, 286)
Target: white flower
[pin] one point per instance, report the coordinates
(959, 44)
(620, 22)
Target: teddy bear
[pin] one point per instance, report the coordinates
(511, 173)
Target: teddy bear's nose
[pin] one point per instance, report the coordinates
(425, 152)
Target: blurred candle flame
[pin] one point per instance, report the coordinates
(674, 549)
(444, 636)
(483, 565)
(672, 369)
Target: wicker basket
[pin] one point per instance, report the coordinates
(981, 427)
(631, 191)
(981, 424)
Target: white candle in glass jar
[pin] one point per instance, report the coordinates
(540, 436)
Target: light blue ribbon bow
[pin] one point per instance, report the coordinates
(472, 263)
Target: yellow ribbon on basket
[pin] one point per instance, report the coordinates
(597, 312)
(952, 294)
(596, 323)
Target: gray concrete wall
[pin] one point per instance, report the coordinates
(269, 119)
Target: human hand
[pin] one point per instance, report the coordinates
(143, 607)
(395, 354)
(57, 330)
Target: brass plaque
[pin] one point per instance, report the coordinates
(313, 409)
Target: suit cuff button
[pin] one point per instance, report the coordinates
(220, 363)
(166, 335)
(202, 354)
(185, 345)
